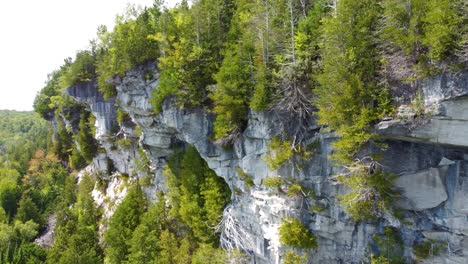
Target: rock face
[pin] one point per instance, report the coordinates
(421, 190)
(446, 95)
(433, 178)
(103, 110)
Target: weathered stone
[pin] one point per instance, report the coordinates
(445, 86)
(421, 190)
(438, 186)
(446, 162)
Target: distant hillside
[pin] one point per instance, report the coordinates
(21, 133)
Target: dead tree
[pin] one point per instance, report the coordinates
(233, 235)
(294, 104)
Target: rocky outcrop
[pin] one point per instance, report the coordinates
(103, 110)
(46, 239)
(445, 122)
(433, 178)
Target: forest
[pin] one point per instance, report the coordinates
(342, 62)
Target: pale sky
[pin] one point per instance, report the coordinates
(37, 35)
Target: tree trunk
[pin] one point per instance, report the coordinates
(292, 31)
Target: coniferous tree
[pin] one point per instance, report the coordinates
(350, 98)
(85, 138)
(126, 218)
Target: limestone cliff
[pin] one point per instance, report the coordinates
(430, 158)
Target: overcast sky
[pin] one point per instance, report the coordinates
(37, 35)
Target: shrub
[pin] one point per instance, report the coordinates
(273, 182)
(279, 152)
(371, 192)
(245, 177)
(122, 116)
(390, 246)
(316, 208)
(124, 143)
(417, 104)
(294, 189)
(138, 132)
(101, 182)
(292, 258)
(294, 233)
(427, 249)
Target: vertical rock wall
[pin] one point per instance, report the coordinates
(431, 161)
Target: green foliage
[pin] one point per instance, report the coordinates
(390, 246)
(28, 210)
(294, 189)
(350, 98)
(422, 28)
(371, 193)
(292, 258)
(197, 198)
(441, 22)
(62, 141)
(43, 98)
(232, 92)
(124, 143)
(85, 138)
(123, 222)
(143, 165)
(231, 56)
(125, 47)
(203, 196)
(82, 69)
(145, 244)
(316, 208)
(10, 192)
(208, 254)
(294, 233)
(273, 182)
(122, 116)
(16, 243)
(427, 249)
(379, 260)
(21, 133)
(417, 105)
(76, 239)
(45, 181)
(280, 152)
(190, 51)
(168, 244)
(245, 177)
(76, 160)
(3, 216)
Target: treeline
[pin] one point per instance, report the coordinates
(294, 56)
(31, 185)
(21, 133)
